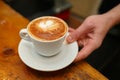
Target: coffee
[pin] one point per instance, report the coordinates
(47, 28)
(47, 35)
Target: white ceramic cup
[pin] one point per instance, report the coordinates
(45, 48)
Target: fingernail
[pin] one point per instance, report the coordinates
(70, 39)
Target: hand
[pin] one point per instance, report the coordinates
(89, 35)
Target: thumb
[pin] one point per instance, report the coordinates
(73, 36)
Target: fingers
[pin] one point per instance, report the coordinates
(71, 29)
(84, 52)
(76, 34)
(73, 36)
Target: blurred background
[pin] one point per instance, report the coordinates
(106, 58)
(35, 8)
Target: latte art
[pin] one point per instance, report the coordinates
(47, 28)
(45, 25)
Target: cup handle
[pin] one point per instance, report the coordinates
(24, 35)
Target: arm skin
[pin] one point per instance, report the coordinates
(93, 30)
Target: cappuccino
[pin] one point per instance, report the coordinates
(47, 28)
(47, 34)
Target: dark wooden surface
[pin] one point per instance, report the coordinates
(11, 66)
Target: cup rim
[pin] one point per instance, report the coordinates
(48, 40)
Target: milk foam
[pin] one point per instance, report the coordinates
(48, 25)
(47, 28)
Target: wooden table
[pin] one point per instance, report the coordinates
(11, 66)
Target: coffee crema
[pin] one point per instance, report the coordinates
(47, 28)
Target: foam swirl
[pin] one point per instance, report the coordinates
(47, 29)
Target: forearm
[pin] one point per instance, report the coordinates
(113, 16)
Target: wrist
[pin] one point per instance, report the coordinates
(113, 16)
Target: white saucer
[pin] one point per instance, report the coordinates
(41, 63)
